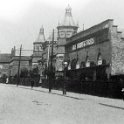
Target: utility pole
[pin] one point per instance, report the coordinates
(18, 81)
(48, 54)
(51, 73)
(52, 50)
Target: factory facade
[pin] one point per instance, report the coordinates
(99, 46)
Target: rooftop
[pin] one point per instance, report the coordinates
(68, 19)
(5, 58)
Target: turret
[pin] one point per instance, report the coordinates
(68, 27)
(38, 44)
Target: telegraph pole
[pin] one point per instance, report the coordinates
(18, 78)
(52, 51)
(51, 73)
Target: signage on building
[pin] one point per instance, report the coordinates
(83, 44)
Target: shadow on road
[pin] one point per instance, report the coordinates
(72, 97)
(53, 93)
(112, 106)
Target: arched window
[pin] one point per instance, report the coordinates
(99, 59)
(92, 63)
(82, 65)
(87, 64)
(69, 66)
(77, 65)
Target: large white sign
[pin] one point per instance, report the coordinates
(59, 62)
(83, 44)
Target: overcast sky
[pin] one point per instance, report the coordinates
(20, 20)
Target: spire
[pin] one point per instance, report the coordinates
(41, 30)
(68, 19)
(68, 10)
(41, 37)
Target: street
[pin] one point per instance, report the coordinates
(23, 105)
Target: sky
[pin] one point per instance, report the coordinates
(20, 20)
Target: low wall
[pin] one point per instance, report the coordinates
(24, 81)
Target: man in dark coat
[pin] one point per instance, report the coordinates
(32, 78)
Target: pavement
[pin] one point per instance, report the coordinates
(108, 102)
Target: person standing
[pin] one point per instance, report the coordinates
(32, 78)
(7, 80)
(65, 80)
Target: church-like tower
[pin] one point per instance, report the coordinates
(38, 46)
(66, 29)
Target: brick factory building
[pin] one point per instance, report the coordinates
(97, 53)
(93, 55)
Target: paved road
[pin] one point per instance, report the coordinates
(23, 105)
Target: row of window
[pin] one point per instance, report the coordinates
(74, 64)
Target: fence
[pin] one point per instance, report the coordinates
(98, 88)
(24, 81)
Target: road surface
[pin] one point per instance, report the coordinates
(23, 105)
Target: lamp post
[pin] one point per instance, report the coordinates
(65, 65)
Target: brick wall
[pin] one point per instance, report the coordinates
(117, 52)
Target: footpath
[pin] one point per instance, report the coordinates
(108, 102)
